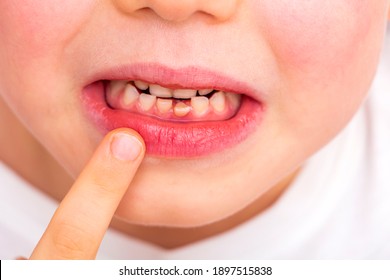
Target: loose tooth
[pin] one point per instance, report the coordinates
(146, 101)
(164, 105)
(130, 95)
(204, 91)
(200, 104)
(184, 93)
(218, 102)
(181, 109)
(160, 91)
(141, 85)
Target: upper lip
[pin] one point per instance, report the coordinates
(191, 77)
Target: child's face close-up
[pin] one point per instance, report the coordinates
(231, 97)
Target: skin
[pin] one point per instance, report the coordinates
(313, 60)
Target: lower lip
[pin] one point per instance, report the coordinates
(174, 139)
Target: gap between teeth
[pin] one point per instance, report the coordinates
(179, 101)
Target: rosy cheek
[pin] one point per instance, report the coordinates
(305, 34)
(40, 25)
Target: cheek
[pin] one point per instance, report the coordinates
(33, 37)
(38, 26)
(326, 52)
(304, 34)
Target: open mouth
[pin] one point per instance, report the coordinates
(190, 105)
(178, 114)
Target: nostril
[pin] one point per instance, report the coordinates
(181, 10)
(174, 13)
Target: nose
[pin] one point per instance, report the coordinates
(181, 10)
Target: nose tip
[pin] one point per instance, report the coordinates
(181, 10)
(173, 10)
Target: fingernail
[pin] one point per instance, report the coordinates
(125, 147)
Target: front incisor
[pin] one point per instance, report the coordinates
(164, 105)
(181, 109)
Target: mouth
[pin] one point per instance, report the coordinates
(182, 113)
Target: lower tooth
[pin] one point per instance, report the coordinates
(164, 105)
(146, 101)
(130, 95)
(200, 104)
(218, 101)
(181, 109)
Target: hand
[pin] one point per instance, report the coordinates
(80, 222)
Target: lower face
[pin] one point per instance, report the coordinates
(225, 109)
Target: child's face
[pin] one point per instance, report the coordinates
(306, 64)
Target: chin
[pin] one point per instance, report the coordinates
(160, 197)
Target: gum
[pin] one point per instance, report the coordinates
(116, 102)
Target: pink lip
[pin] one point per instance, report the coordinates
(175, 139)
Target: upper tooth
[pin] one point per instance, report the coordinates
(116, 87)
(146, 101)
(141, 85)
(184, 93)
(160, 91)
(204, 91)
(130, 95)
(217, 101)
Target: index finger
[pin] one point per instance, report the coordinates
(80, 222)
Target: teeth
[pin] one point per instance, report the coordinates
(160, 91)
(204, 91)
(141, 85)
(164, 105)
(130, 95)
(184, 93)
(114, 89)
(125, 94)
(181, 109)
(200, 104)
(217, 101)
(146, 101)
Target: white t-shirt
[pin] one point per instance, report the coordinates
(337, 208)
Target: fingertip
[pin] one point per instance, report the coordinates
(126, 144)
